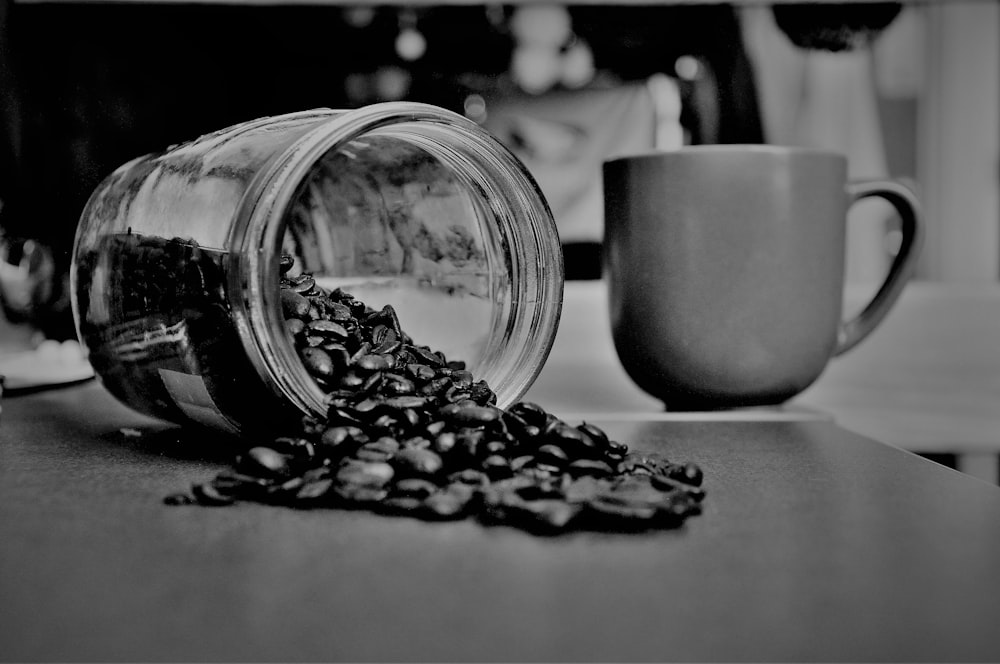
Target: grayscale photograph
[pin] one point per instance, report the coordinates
(452, 331)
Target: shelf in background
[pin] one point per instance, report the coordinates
(429, 3)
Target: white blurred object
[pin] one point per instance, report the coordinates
(564, 137)
(541, 25)
(360, 16)
(392, 83)
(577, 65)
(50, 364)
(474, 107)
(839, 112)
(688, 67)
(666, 96)
(410, 44)
(26, 286)
(546, 52)
(825, 100)
(535, 67)
(899, 55)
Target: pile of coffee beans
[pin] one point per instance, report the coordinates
(409, 432)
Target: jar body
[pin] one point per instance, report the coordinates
(175, 266)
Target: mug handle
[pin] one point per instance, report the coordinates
(905, 202)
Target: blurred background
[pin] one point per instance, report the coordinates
(907, 90)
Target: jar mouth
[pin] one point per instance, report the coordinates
(523, 284)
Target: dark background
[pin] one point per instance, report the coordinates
(89, 86)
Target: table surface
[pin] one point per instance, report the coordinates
(815, 544)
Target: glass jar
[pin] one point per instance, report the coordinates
(176, 261)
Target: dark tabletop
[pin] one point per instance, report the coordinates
(815, 544)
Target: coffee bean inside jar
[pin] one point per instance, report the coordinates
(409, 431)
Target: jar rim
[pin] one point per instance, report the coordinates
(272, 193)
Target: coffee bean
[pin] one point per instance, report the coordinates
(314, 490)
(689, 474)
(469, 476)
(294, 305)
(436, 386)
(455, 395)
(595, 434)
(532, 432)
(420, 372)
(444, 442)
(370, 362)
(496, 447)
(470, 414)
(398, 385)
(263, 461)
(497, 466)
(206, 494)
(574, 442)
(406, 401)
(340, 416)
(339, 355)
(552, 454)
(416, 443)
(531, 413)
(233, 483)
(294, 446)
(415, 461)
(357, 494)
(365, 473)
(385, 424)
(337, 436)
(295, 326)
(548, 514)
(520, 462)
(482, 394)
(414, 487)
(387, 347)
(351, 380)
(372, 383)
(368, 453)
(446, 505)
(618, 514)
(327, 328)
(368, 408)
(178, 499)
(634, 464)
(542, 516)
(289, 486)
(462, 378)
(384, 444)
(303, 284)
(468, 442)
(665, 483)
(317, 362)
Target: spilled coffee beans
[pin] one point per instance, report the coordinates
(408, 431)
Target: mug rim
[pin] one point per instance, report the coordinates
(728, 148)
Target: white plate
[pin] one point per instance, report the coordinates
(52, 364)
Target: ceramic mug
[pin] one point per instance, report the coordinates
(725, 266)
